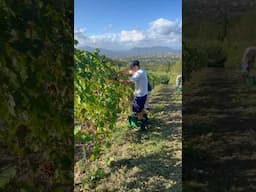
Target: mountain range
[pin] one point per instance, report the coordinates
(137, 51)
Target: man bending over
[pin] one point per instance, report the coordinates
(139, 78)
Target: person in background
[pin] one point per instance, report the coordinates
(140, 80)
(247, 61)
(178, 82)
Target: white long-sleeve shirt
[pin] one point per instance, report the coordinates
(179, 81)
(141, 83)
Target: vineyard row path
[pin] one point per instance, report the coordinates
(149, 161)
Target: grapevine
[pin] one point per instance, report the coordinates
(36, 98)
(193, 59)
(99, 98)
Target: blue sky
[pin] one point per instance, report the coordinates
(122, 24)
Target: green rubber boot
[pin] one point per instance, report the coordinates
(133, 121)
(144, 123)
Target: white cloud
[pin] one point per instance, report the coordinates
(80, 30)
(131, 36)
(164, 26)
(161, 32)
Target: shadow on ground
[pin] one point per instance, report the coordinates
(219, 134)
(152, 169)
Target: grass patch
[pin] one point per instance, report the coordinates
(149, 161)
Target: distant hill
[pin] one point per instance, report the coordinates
(138, 51)
(153, 50)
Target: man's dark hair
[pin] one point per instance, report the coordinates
(134, 63)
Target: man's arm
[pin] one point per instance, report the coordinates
(126, 72)
(126, 81)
